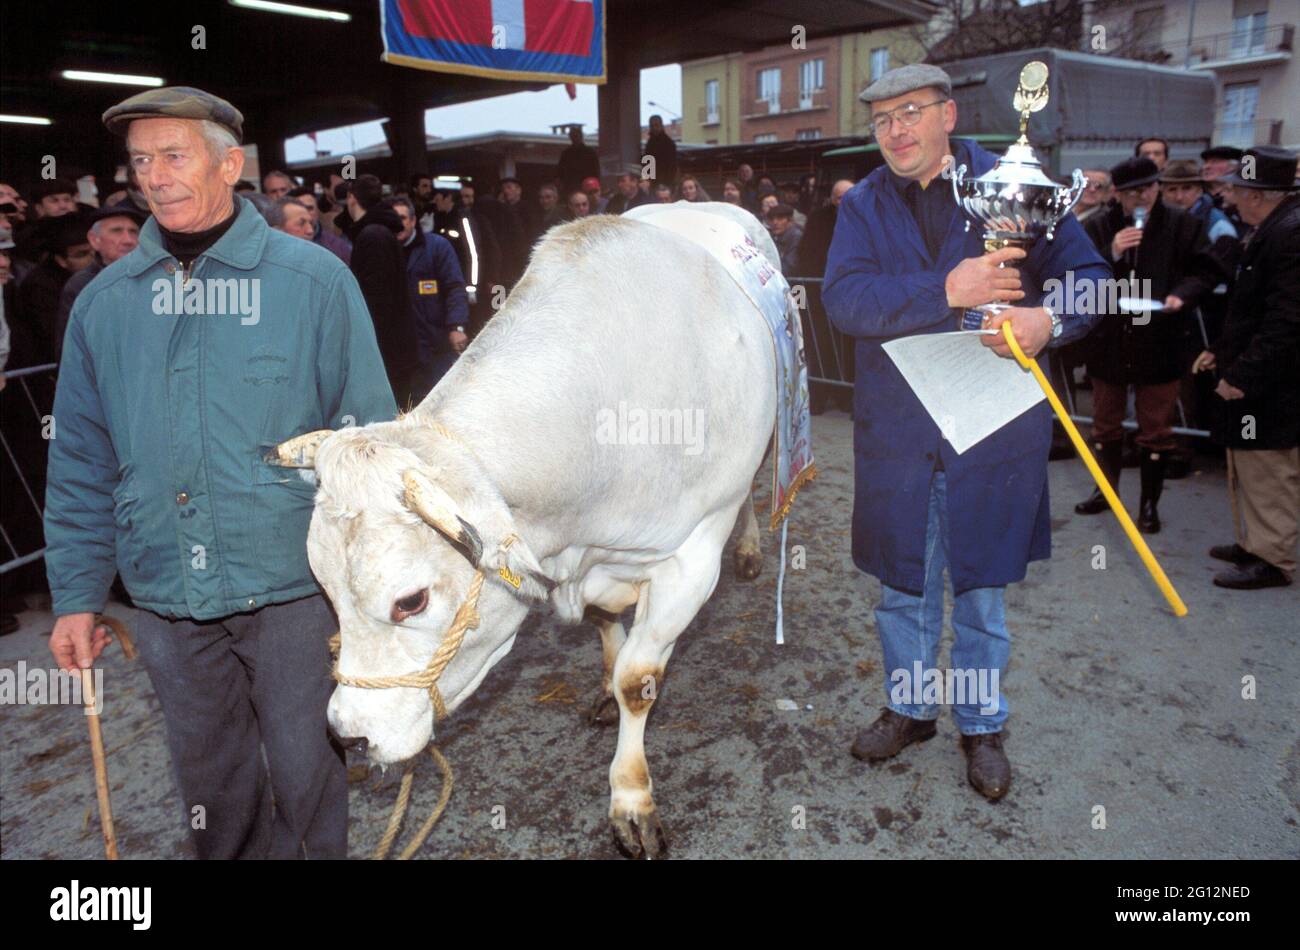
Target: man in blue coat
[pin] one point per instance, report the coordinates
(438, 297)
(902, 262)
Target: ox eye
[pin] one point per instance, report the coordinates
(410, 605)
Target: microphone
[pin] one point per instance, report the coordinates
(1139, 218)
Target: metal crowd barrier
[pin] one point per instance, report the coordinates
(13, 468)
(824, 336)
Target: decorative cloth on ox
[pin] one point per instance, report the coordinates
(767, 290)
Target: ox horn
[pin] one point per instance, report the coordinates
(298, 452)
(436, 507)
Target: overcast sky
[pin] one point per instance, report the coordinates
(516, 112)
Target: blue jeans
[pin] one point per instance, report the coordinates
(910, 627)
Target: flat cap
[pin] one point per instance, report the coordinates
(906, 79)
(1181, 171)
(177, 102)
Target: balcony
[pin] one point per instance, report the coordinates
(709, 116)
(1225, 51)
(790, 102)
(1246, 134)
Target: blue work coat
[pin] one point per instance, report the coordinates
(882, 284)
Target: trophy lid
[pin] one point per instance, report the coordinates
(1018, 166)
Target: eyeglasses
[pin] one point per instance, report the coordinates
(908, 115)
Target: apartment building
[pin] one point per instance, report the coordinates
(1247, 45)
(782, 93)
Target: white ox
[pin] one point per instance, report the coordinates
(509, 463)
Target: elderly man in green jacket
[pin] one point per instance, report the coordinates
(215, 339)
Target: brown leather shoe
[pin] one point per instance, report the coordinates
(987, 767)
(890, 735)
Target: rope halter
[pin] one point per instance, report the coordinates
(427, 679)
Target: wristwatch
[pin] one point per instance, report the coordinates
(1057, 325)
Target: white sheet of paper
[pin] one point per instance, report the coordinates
(969, 391)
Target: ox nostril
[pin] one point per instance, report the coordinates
(357, 744)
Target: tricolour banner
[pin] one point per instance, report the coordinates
(557, 40)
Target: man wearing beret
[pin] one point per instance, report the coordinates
(114, 232)
(184, 361)
(1168, 254)
(902, 262)
(1257, 360)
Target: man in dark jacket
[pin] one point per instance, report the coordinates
(578, 161)
(1258, 363)
(476, 246)
(1169, 260)
(67, 250)
(380, 268)
(114, 233)
(903, 263)
(660, 146)
(628, 194)
(437, 297)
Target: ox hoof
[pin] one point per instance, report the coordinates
(748, 564)
(604, 711)
(640, 835)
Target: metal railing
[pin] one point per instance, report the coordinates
(825, 348)
(22, 460)
(1225, 48)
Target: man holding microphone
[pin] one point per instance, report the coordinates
(902, 262)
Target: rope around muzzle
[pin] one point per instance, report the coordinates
(427, 679)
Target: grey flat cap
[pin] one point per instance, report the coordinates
(177, 102)
(906, 79)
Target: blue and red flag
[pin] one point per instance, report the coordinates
(556, 40)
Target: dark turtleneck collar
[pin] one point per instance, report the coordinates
(186, 246)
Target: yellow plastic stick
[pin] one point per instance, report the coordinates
(1149, 559)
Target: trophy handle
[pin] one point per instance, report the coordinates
(958, 176)
(1080, 182)
(1068, 198)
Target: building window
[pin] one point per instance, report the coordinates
(1249, 23)
(812, 78)
(804, 135)
(769, 88)
(1237, 122)
(762, 138)
(879, 62)
(711, 101)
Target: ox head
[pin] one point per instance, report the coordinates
(404, 517)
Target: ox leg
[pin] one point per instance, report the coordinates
(748, 557)
(669, 601)
(604, 711)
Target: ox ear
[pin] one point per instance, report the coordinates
(515, 564)
(298, 452)
(442, 514)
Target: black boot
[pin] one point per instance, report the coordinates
(1108, 457)
(1153, 481)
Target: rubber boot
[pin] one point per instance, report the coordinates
(1152, 467)
(1109, 456)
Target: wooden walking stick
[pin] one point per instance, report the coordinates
(90, 700)
(101, 767)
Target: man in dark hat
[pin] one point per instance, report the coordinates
(1257, 360)
(1217, 161)
(54, 197)
(67, 250)
(1165, 254)
(214, 339)
(114, 233)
